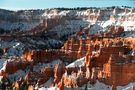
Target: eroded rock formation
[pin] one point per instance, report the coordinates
(109, 60)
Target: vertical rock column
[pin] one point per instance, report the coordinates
(58, 72)
(80, 51)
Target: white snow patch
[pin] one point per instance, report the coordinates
(3, 63)
(51, 88)
(17, 75)
(78, 62)
(39, 66)
(127, 87)
(14, 48)
(18, 25)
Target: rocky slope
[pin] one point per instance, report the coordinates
(54, 26)
(25, 19)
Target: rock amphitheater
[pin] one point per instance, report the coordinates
(86, 58)
(108, 59)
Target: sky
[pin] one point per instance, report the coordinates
(43, 4)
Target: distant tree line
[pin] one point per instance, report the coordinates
(85, 8)
(2, 31)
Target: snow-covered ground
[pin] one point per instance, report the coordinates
(17, 75)
(78, 62)
(2, 64)
(97, 86)
(21, 73)
(51, 88)
(31, 18)
(14, 48)
(18, 25)
(128, 23)
(39, 66)
(127, 87)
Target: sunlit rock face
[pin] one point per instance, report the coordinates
(108, 60)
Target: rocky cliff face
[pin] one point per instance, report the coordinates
(54, 26)
(85, 17)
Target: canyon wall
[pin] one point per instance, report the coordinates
(106, 59)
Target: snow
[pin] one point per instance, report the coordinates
(107, 23)
(63, 13)
(78, 62)
(73, 25)
(70, 27)
(100, 86)
(15, 48)
(17, 75)
(126, 87)
(97, 86)
(51, 88)
(53, 13)
(3, 63)
(83, 14)
(47, 84)
(53, 42)
(39, 66)
(18, 25)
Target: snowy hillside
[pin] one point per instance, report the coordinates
(22, 20)
(102, 17)
(97, 19)
(27, 19)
